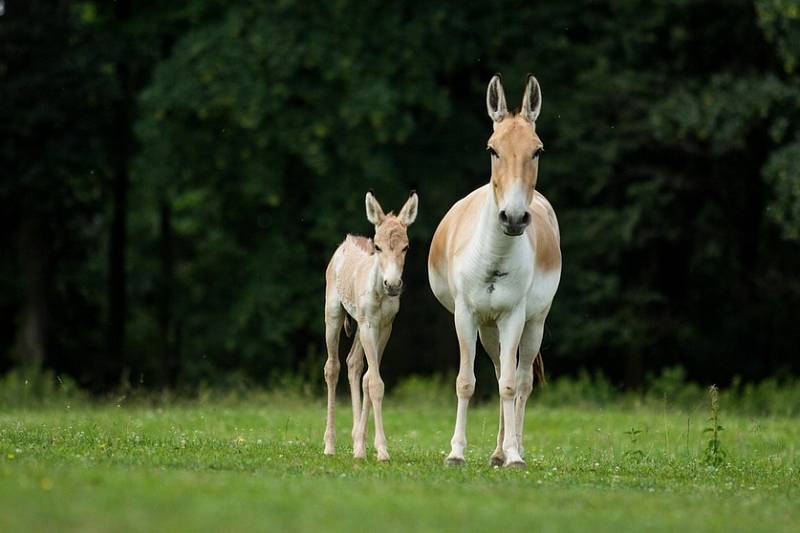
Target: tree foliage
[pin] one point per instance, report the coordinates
(672, 162)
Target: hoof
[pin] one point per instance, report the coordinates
(329, 453)
(360, 453)
(384, 456)
(496, 461)
(520, 464)
(455, 461)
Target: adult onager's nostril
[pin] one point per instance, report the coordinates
(503, 217)
(526, 218)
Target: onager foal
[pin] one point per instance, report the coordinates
(364, 281)
(495, 263)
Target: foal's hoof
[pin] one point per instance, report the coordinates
(520, 464)
(455, 461)
(383, 456)
(496, 461)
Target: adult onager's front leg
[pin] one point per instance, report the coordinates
(529, 346)
(467, 332)
(490, 339)
(510, 327)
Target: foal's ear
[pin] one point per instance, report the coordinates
(374, 211)
(496, 99)
(408, 214)
(531, 100)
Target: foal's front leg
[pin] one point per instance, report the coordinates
(373, 340)
(334, 318)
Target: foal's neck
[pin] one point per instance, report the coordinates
(372, 281)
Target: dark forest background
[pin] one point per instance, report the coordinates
(175, 176)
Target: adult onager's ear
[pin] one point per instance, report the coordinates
(374, 211)
(409, 212)
(531, 100)
(496, 99)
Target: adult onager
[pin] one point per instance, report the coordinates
(364, 281)
(495, 263)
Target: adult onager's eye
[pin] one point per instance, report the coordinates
(378, 249)
(492, 151)
(537, 153)
(406, 248)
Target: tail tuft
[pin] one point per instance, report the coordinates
(538, 369)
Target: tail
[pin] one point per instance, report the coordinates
(348, 326)
(538, 369)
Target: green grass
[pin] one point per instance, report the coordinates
(212, 467)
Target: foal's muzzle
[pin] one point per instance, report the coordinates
(394, 289)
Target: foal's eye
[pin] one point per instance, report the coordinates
(405, 249)
(492, 151)
(378, 248)
(537, 153)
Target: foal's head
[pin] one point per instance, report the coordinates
(515, 149)
(391, 240)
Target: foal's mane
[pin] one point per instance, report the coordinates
(363, 244)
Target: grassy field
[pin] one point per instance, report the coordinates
(259, 466)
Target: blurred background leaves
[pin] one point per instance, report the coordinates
(230, 145)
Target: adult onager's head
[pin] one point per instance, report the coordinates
(515, 149)
(391, 240)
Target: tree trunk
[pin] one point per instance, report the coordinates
(33, 258)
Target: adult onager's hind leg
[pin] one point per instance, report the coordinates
(334, 319)
(355, 366)
(490, 339)
(529, 346)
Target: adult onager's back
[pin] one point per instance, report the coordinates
(363, 282)
(495, 263)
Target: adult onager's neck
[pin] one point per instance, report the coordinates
(490, 245)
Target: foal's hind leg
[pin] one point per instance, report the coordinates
(334, 318)
(355, 366)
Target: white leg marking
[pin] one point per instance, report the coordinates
(528, 349)
(467, 332)
(510, 328)
(490, 338)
